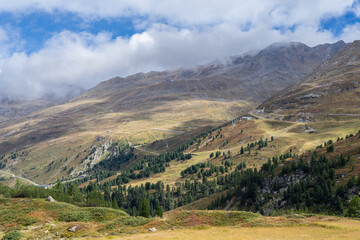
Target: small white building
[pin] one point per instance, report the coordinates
(246, 118)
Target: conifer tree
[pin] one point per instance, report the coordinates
(144, 208)
(354, 207)
(159, 211)
(74, 191)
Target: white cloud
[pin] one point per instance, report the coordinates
(204, 30)
(350, 32)
(190, 12)
(356, 8)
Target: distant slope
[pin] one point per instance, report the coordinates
(15, 108)
(12, 107)
(332, 90)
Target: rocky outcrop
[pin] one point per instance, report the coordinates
(50, 199)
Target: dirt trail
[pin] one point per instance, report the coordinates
(25, 179)
(167, 130)
(145, 151)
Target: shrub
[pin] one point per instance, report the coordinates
(12, 235)
(97, 214)
(75, 216)
(27, 221)
(330, 148)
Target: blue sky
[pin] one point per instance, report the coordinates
(50, 45)
(35, 28)
(337, 24)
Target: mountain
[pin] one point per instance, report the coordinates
(279, 66)
(147, 107)
(331, 91)
(251, 78)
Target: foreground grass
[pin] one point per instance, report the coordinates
(242, 225)
(335, 231)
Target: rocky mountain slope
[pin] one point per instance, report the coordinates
(331, 91)
(249, 77)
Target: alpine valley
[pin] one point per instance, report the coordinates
(253, 145)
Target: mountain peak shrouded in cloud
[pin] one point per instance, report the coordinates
(49, 47)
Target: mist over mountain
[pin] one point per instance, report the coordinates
(253, 77)
(13, 106)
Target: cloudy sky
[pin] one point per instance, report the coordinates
(48, 45)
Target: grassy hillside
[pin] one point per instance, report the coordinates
(35, 218)
(207, 177)
(53, 135)
(287, 135)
